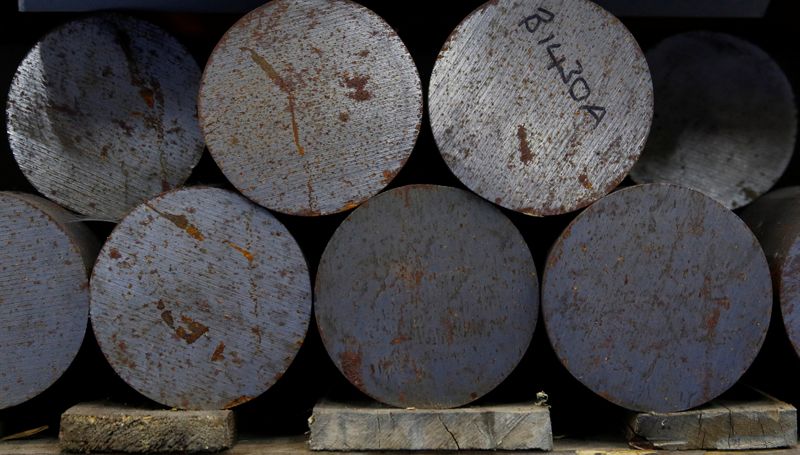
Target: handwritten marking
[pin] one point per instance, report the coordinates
(578, 88)
(285, 87)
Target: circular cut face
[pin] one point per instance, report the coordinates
(310, 107)
(426, 297)
(102, 115)
(541, 107)
(657, 298)
(725, 118)
(44, 298)
(200, 299)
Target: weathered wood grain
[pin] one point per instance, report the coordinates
(102, 114)
(760, 422)
(371, 426)
(106, 427)
(45, 258)
(200, 299)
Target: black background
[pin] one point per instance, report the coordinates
(423, 26)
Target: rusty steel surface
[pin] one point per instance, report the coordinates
(775, 220)
(102, 114)
(200, 299)
(540, 106)
(657, 298)
(726, 121)
(44, 299)
(310, 107)
(426, 296)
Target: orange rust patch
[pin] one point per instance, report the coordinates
(147, 96)
(257, 332)
(363, 53)
(237, 402)
(358, 84)
(114, 254)
(351, 367)
(350, 205)
(585, 181)
(247, 255)
(400, 339)
(525, 154)
(180, 221)
(344, 117)
(193, 331)
(165, 186)
(285, 87)
(218, 353)
(389, 175)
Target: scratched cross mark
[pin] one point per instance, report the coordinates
(205, 287)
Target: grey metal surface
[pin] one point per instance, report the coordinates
(775, 220)
(102, 114)
(657, 298)
(44, 297)
(310, 107)
(200, 299)
(726, 121)
(541, 107)
(426, 296)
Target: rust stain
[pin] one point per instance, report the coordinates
(237, 402)
(525, 154)
(585, 181)
(180, 221)
(285, 87)
(358, 84)
(114, 254)
(247, 255)
(193, 331)
(148, 96)
(723, 302)
(400, 339)
(257, 332)
(218, 353)
(165, 186)
(713, 320)
(344, 117)
(363, 54)
(350, 205)
(166, 316)
(351, 367)
(389, 175)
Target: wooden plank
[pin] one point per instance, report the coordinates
(723, 424)
(371, 426)
(105, 427)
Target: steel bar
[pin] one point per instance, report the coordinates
(726, 121)
(310, 107)
(102, 114)
(45, 260)
(657, 298)
(775, 220)
(200, 299)
(540, 107)
(426, 296)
